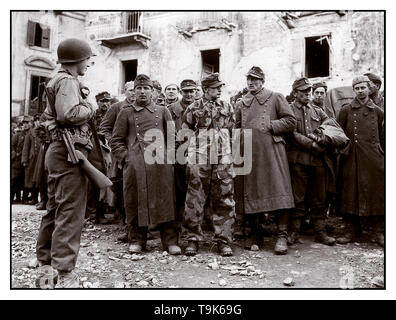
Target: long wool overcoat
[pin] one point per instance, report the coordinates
(268, 186)
(362, 168)
(149, 191)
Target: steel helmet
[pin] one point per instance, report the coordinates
(73, 50)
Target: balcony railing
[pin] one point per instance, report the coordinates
(132, 21)
(119, 28)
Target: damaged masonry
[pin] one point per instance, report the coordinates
(212, 149)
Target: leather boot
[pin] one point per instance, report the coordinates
(294, 232)
(320, 230)
(281, 242)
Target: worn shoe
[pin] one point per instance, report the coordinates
(101, 220)
(135, 248)
(174, 250)
(123, 238)
(347, 238)
(68, 280)
(191, 249)
(281, 246)
(41, 206)
(47, 278)
(322, 237)
(224, 249)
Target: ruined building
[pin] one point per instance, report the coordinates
(172, 46)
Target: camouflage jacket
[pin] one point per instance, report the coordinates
(203, 115)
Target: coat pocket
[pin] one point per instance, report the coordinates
(278, 139)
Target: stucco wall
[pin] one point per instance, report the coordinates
(259, 38)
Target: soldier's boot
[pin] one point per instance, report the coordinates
(191, 249)
(41, 205)
(294, 232)
(281, 242)
(320, 232)
(352, 232)
(100, 217)
(224, 249)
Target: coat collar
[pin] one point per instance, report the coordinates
(150, 107)
(300, 106)
(178, 108)
(356, 104)
(261, 97)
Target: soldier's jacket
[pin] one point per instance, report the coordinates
(309, 119)
(99, 115)
(177, 110)
(203, 115)
(72, 110)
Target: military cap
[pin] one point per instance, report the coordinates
(373, 77)
(128, 84)
(188, 84)
(212, 81)
(360, 79)
(103, 95)
(157, 85)
(320, 84)
(301, 84)
(143, 80)
(256, 72)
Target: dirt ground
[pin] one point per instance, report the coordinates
(105, 263)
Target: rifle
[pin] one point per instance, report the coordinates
(75, 156)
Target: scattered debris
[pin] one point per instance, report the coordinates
(289, 282)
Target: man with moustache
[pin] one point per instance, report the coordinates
(362, 191)
(267, 188)
(307, 166)
(149, 195)
(58, 241)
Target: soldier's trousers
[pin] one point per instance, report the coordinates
(59, 236)
(309, 189)
(215, 182)
(169, 233)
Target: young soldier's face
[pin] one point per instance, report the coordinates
(188, 95)
(362, 90)
(319, 94)
(254, 84)
(171, 92)
(143, 94)
(82, 67)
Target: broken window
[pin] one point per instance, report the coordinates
(38, 36)
(35, 92)
(210, 61)
(130, 70)
(317, 56)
